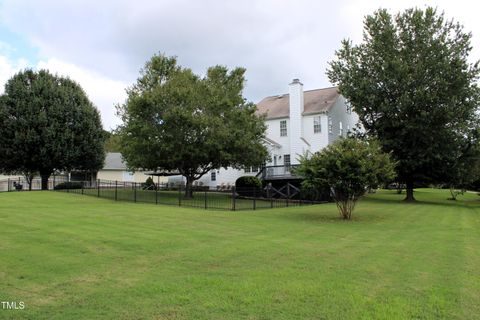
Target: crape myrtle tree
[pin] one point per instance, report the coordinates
(413, 88)
(47, 123)
(348, 168)
(174, 119)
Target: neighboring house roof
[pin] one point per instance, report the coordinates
(114, 161)
(315, 101)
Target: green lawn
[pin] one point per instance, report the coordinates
(70, 256)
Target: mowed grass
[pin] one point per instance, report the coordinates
(69, 256)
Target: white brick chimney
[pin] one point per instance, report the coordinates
(296, 110)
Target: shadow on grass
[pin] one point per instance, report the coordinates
(329, 214)
(441, 200)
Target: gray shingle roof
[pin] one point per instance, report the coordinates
(315, 101)
(113, 161)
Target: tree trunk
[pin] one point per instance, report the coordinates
(409, 189)
(30, 180)
(452, 193)
(45, 177)
(188, 188)
(399, 188)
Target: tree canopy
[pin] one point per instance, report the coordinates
(174, 119)
(47, 123)
(112, 142)
(414, 89)
(348, 167)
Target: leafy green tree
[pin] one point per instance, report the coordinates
(47, 123)
(413, 88)
(465, 167)
(348, 167)
(112, 142)
(176, 120)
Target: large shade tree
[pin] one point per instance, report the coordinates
(174, 119)
(47, 123)
(413, 87)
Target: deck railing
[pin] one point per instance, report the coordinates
(279, 172)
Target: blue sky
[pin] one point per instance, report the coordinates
(15, 46)
(103, 44)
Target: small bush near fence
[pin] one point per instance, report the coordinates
(69, 185)
(247, 185)
(149, 184)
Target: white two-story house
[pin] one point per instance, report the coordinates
(298, 122)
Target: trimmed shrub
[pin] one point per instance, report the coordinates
(149, 184)
(68, 185)
(247, 185)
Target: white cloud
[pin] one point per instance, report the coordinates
(8, 68)
(275, 40)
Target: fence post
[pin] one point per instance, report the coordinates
(8, 184)
(288, 192)
(116, 187)
(134, 192)
(180, 195)
(254, 198)
(82, 186)
(156, 194)
(269, 194)
(205, 198)
(98, 188)
(234, 198)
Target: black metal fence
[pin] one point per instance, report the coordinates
(21, 184)
(201, 197)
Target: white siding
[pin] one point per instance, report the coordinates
(338, 112)
(273, 132)
(319, 140)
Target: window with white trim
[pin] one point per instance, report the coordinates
(286, 160)
(349, 107)
(247, 169)
(317, 124)
(283, 128)
(340, 128)
(330, 125)
(213, 175)
(254, 169)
